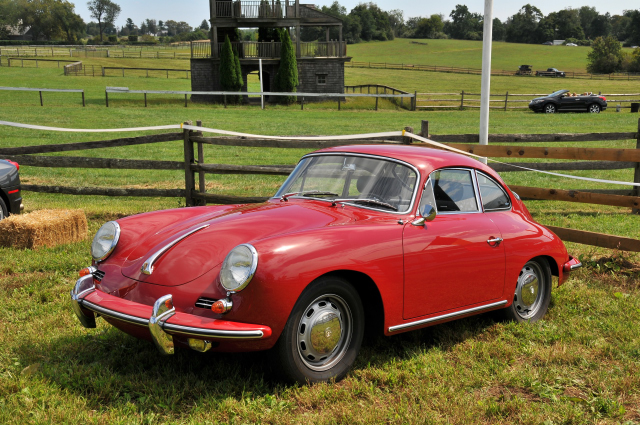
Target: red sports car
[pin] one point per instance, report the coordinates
(392, 238)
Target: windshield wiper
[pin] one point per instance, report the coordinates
(307, 193)
(366, 201)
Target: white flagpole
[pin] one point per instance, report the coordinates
(487, 35)
(261, 88)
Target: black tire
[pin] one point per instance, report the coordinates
(4, 212)
(533, 292)
(594, 108)
(329, 306)
(549, 108)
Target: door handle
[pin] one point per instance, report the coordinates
(495, 241)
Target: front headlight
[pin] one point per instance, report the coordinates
(238, 268)
(105, 240)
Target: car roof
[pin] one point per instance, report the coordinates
(421, 157)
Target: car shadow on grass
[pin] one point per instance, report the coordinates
(110, 369)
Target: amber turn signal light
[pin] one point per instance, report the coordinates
(169, 304)
(221, 306)
(86, 271)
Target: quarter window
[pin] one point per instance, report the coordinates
(493, 195)
(321, 79)
(453, 191)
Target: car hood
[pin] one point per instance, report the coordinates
(204, 249)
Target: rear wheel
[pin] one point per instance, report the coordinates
(549, 108)
(533, 292)
(4, 212)
(324, 332)
(594, 108)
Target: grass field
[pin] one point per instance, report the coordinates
(581, 365)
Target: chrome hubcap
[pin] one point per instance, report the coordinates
(594, 108)
(551, 109)
(529, 291)
(324, 332)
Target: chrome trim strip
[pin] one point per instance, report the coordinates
(187, 330)
(178, 329)
(115, 314)
(446, 316)
(147, 266)
(384, 158)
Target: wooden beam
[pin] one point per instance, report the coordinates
(104, 191)
(298, 144)
(603, 154)
(243, 169)
(128, 141)
(577, 196)
(528, 138)
(212, 198)
(565, 166)
(596, 239)
(87, 162)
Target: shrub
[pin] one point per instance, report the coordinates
(229, 69)
(113, 39)
(133, 38)
(287, 75)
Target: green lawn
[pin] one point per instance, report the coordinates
(581, 365)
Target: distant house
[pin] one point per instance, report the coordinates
(558, 42)
(18, 32)
(320, 63)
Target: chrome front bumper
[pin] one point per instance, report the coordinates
(163, 310)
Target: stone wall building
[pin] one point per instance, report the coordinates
(320, 64)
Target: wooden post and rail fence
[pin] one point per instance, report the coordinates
(195, 193)
(506, 101)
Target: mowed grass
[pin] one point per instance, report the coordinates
(579, 365)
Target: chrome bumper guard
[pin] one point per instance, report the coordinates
(162, 310)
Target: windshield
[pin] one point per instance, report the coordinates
(556, 93)
(366, 182)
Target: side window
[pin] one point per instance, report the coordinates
(493, 196)
(454, 191)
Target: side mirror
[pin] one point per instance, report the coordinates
(428, 214)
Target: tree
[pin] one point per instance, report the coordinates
(605, 56)
(464, 25)
(228, 70)
(105, 11)
(204, 25)
(499, 30)
(70, 23)
(633, 32)
(287, 75)
(522, 27)
(152, 26)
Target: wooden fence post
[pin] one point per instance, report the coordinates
(506, 99)
(462, 99)
(424, 129)
(636, 175)
(201, 174)
(189, 175)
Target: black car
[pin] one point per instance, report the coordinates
(563, 100)
(10, 197)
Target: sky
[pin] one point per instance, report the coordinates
(195, 11)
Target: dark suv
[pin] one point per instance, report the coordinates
(10, 197)
(563, 100)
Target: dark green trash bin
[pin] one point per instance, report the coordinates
(635, 107)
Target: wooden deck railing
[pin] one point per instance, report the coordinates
(269, 50)
(194, 164)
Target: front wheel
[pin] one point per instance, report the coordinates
(594, 108)
(549, 108)
(4, 212)
(533, 292)
(323, 334)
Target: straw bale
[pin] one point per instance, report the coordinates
(43, 228)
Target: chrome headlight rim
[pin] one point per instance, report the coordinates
(114, 242)
(252, 269)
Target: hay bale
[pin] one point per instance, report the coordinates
(43, 228)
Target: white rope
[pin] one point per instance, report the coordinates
(310, 138)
